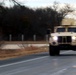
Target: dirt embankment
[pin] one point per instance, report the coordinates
(6, 54)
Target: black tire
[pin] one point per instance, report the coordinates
(53, 51)
(57, 52)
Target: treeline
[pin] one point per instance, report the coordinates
(18, 20)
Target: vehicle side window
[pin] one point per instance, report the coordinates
(61, 29)
(72, 29)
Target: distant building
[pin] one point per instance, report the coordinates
(68, 21)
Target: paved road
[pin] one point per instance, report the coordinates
(41, 64)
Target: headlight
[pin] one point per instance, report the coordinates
(73, 37)
(55, 38)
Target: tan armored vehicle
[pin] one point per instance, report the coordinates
(63, 38)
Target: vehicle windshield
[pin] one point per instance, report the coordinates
(61, 30)
(72, 29)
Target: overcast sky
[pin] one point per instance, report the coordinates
(44, 3)
(40, 3)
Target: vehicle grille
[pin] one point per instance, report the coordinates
(64, 39)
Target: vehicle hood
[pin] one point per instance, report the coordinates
(63, 34)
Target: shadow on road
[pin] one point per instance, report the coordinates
(67, 55)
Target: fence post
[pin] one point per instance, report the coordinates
(10, 37)
(22, 37)
(34, 37)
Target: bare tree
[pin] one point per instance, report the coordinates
(16, 2)
(66, 10)
(62, 12)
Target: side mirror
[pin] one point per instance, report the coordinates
(48, 31)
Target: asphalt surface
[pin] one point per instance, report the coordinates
(41, 64)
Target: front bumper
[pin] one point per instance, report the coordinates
(65, 47)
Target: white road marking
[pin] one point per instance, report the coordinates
(27, 60)
(23, 61)
(59, 72)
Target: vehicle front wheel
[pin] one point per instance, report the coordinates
(53, 51)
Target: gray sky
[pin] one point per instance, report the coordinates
(40, 3)
(44, 3)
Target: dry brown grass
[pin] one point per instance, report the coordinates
(6, 54)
